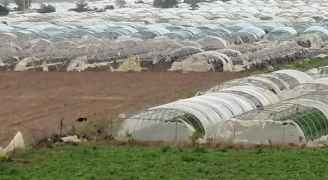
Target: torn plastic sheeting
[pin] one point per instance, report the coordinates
(260, 132)
(208, 58)
(183, 52)
(300, 76)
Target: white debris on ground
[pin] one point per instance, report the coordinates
(17, 143)
(71, 139)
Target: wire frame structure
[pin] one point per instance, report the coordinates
(312, 121)
(161, 124)
(308, 112)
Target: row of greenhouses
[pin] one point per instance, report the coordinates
(251, 110)
(213, 48)
(219, 35)
(111, 30)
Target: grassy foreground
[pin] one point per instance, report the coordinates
(109, 162)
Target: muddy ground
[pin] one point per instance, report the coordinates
(35, 102)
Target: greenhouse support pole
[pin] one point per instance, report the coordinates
(176, 132)
(283, 134)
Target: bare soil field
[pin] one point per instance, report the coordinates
(36, 102)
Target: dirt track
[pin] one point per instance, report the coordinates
(35, 102)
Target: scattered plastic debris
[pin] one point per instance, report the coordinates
(71, 139)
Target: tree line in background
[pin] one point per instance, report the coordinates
(21, 4)
(82, 5)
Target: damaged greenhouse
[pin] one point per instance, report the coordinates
(209, 39)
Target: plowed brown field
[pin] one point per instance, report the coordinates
(35, 102)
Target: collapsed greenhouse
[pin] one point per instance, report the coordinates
(200, 51)
(253, 110)
(253, 34)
